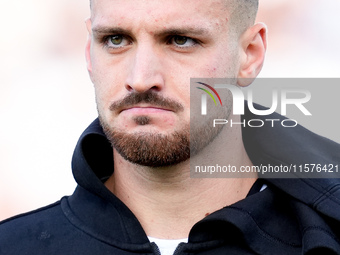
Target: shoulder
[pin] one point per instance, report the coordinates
(28, 218)
(32, 229)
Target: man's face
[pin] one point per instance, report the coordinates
(141, 57)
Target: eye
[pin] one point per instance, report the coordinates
(117, 41)
(182, 41)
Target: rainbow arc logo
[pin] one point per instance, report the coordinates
(209, 93)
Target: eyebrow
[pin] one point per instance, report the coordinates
(169, 31)
(109, 30)
(182, 31)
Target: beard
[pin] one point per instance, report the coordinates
(150, 149)
(156, 149)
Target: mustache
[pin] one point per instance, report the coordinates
(148, 97)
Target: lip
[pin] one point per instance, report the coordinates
(145, 109)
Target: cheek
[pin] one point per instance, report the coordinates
(107, 80)
(212, 71)
(209, 68)
(100, 70)
(218, 65)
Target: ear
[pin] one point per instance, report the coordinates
(253, 43)
(88, 45)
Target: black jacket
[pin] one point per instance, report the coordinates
(291, 216)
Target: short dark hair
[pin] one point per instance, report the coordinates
(242, 13)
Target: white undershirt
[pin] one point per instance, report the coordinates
(264, 186)
(166, 246)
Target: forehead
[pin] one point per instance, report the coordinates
(144, 14)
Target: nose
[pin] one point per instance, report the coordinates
(145, 70)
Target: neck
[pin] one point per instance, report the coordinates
(167, 202)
